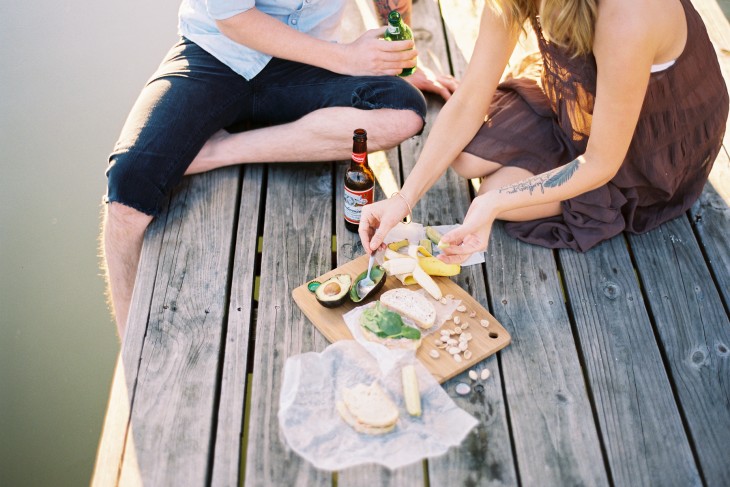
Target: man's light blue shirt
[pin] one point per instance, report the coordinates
(318, 18)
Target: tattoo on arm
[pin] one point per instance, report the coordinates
(551, 179)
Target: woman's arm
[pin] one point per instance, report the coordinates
(624, 48)
(464, 113)
(455, 126)
(367, 55)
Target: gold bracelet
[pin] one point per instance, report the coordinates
(409, 217)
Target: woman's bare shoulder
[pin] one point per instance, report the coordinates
(655, 25)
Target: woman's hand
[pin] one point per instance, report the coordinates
(377, 219)
(473, 235)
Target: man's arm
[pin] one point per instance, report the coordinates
(365, 56)
(424, 78)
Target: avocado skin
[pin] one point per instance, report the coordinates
(344, 281)
(378, 276)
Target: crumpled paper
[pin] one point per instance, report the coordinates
(313, 383)
(415, 232)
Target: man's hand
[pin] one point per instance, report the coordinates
(370, 55)
(426, 80)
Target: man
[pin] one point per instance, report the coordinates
(270, 64)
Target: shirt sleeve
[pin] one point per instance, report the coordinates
(224, 9)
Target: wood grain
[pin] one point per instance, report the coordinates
(349, 247)
(640, 425)
(710, 217)
(171, 424)
(297, 246)
(554, 432)
(110, 453)
(694, 332)
(229, 428)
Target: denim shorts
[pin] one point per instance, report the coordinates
(193, 95)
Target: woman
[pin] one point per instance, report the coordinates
(620, 132)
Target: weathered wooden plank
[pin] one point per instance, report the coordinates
(226, 462)
(642, 430)
(484, 457)
(348, 248)
(694, 331)
(171, 424)
(710, 214)
(711, 219)
(297, 247)
(553, 428)
(386, 166)
(114, 434)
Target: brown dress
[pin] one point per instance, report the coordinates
(542, 121)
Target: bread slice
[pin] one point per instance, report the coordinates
(392, 343)
(358, 426)
(410, 304)
(370, 406)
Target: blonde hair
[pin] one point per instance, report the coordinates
(567, 23)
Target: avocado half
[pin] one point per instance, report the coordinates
(377, 275)
(333, 292)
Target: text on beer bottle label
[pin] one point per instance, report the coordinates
(354, 201)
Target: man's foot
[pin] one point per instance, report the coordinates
(213, 154)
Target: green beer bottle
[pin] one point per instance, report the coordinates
(399, 31)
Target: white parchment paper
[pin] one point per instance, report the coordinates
(311, 426)
(444, 311)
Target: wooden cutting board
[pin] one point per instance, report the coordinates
(484, 343)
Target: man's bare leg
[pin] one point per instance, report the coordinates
(323, 135)
(123, 233)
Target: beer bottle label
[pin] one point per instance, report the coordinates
(354, 201)
(359, 158)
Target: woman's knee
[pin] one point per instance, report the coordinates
(470, 166)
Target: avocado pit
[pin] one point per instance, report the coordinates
(332, 292)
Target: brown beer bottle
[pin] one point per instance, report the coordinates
(359, 181)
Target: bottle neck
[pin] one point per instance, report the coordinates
(360, 151)
(359, 158)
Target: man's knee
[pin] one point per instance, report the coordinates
(137, 181)
(123, 219)
(404, 124)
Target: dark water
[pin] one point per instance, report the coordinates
(69, 73)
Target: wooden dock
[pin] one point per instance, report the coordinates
(619, 367)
